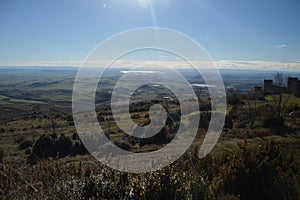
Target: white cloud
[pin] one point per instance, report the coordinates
(259, 65)
(281, 46)
(220, 64)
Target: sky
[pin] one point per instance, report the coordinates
(233, 32)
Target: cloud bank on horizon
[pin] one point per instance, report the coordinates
(220, 64)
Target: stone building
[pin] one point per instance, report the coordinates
(257, 88)
(268, 87)
(293, 86)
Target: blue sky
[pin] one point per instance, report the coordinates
(66, 30)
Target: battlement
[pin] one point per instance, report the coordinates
(293, 86)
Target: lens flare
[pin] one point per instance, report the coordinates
(144, 3)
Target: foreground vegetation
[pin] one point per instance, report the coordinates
(42, 157)
(264, 171)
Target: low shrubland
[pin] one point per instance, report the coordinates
(264, 171)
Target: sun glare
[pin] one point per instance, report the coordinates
(144, 3)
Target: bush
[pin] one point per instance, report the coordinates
(259, 132)
(124, 145)
(25, 145)
(271, 122)
(277, 125)
(135, 116)
(18, 139)
(28, 151)
(2, 155)
(162, 137)
(50, 146)
(75, 136)
(79, 149)
(247, 172)
(257, 173)
(44, 147)
(100, 118)
(63, 146)
(228, 122)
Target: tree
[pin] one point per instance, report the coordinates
(252, 110)
(280, 80)
(280, 100)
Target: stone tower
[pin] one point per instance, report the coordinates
(268, 86)
(294, 86)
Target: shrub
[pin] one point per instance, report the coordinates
(75, 136)
(100, 118)
(160, 138)
(63, 146)
(257, 173)
(44, 147)
(259, 132)
(228, 122)
(2, 155)
(248, 172)
(28, 151)
(273, 123)
(18, 139)
(26, 144)
(79, 149)
(124, 145)
(56, 147)
(135, 116)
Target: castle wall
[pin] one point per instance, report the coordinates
(294, 86)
